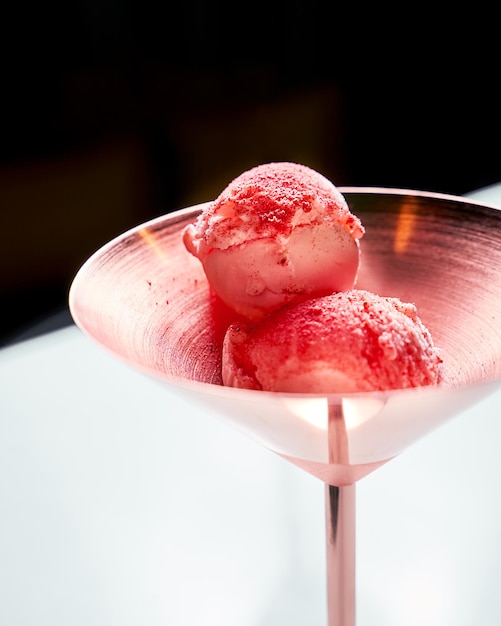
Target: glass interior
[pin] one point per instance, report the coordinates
(146, 299)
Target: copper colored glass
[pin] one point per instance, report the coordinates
(145, 299)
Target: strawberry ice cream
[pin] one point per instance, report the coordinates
(353, 341)
(280, 248)
(279, 233)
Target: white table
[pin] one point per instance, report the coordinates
(121, 504)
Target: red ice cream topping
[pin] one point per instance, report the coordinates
(269, 201)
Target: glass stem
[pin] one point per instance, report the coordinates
(340, 522)
(340, 530)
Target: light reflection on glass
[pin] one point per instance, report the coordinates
(314, 411)
(152, 243)
(405, 227)
(357, 411)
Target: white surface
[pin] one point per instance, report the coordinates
(489, 195)
(121, 504)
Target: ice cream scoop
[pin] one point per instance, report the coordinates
(352, 341)
(278, 233)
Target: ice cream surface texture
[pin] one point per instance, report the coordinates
(352, 341)
(278, 233)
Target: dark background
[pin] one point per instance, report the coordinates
(115, 112)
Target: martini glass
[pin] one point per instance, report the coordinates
(145, 299)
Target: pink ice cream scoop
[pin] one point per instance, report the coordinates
(278, 233)
(347, 342)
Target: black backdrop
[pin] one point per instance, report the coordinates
(192, 94)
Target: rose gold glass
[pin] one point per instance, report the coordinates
(145, 299)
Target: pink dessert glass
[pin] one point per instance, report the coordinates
(145, 299)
